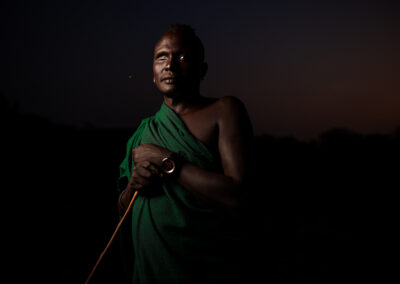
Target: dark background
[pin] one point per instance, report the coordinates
(322, 211)
(301, 67)
(319, 82)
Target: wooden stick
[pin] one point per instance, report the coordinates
(112, 238)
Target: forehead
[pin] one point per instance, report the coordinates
(173, 42)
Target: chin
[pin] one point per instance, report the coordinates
(176, 93)
(171, 92)
(173, 95)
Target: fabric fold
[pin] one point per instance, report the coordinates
(176, 236)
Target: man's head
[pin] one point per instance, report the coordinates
(178, 63)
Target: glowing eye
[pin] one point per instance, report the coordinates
(182, 58)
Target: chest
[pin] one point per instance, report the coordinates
(203, 125)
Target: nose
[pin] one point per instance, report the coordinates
(172, 64)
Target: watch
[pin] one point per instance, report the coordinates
(171, 165)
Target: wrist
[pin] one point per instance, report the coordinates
(171, 165)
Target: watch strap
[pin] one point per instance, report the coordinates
(178, 159)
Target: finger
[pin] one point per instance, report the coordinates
(137, 178)
(154, 170)
(135, 154)
(141, 180)
(138, 168)
(137, 186)
(149, 166)
(145, 164)
(143, 172)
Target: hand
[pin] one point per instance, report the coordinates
(144, 174)
(151, 153)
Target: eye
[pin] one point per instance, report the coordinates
(182, 58)
(162, 58)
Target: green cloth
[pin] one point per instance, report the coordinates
(177, 238)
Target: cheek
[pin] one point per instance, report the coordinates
(186, 67)
(156, 70)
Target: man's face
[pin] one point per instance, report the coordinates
(177, 70)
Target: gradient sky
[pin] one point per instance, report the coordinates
(301, 67)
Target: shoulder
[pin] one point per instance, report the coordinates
(230, 101)
(233, 119)
(137, 135)
(142, 126)
(231, 107)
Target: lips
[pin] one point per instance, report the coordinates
(169, 79)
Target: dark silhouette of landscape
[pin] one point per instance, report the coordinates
(319, 209)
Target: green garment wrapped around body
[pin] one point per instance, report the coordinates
(178, 238)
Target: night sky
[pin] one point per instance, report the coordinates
(301, 67)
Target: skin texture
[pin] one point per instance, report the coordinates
(221, 124)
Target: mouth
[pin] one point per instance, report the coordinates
(169, 80)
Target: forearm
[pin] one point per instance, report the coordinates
(214, 188)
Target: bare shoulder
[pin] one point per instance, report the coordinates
(230, 101)
(231, 107)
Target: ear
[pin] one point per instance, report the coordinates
(204, 69)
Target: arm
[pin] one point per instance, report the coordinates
(224, 190)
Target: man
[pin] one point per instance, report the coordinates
(190, 163)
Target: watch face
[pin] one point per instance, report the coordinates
(168, 165)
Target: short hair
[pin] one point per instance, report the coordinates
(190, 37)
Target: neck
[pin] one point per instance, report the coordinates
(183, 105)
